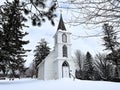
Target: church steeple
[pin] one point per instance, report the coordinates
(61, 24)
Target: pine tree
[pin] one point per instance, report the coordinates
(36, 10)
(104, 67)
(88, 66)
(110, 38)
(110, 42)
(41, 51)
(11, 28)
(2, 66)
(12, 45)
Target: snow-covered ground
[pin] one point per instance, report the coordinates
(63, 84)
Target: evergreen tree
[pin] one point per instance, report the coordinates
(88, 67)
(12, 45)
(11, 28)
(36, 10)
(104, 67)
(110, 38)
(41, 51)
(110, 42)
(2, 66)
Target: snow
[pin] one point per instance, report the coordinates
(62, 84)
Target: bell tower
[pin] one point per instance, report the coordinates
(62, 41)
(63, 58)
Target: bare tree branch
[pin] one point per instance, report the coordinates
(94, 11)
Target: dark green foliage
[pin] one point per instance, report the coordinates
(88, 67)
(11, 50)
(110, 42)
(26, 11)
(38, 11)
(11, 29)
(104, 67)
(41, 51)
(110, 38)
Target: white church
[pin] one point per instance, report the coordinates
(59, 63)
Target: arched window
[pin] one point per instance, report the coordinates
(64, 51)
(65, 63)
(64, 38)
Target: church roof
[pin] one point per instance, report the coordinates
(61, 24)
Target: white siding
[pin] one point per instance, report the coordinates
(41, 71)
(52, 66)
(49, 66)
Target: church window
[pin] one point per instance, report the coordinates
(65, 63)
(64, 38)
(64, 51)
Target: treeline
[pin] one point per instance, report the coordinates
(97, 68)
(102, 66)
(13, 17)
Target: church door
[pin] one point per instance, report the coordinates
(65, 70)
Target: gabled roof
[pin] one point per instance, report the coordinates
(61, 25)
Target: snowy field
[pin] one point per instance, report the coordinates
(63, 84)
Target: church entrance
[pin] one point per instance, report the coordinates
(65, 70)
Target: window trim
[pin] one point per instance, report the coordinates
(64, 38)
(65, 53)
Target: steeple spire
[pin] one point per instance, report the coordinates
(61, 24)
